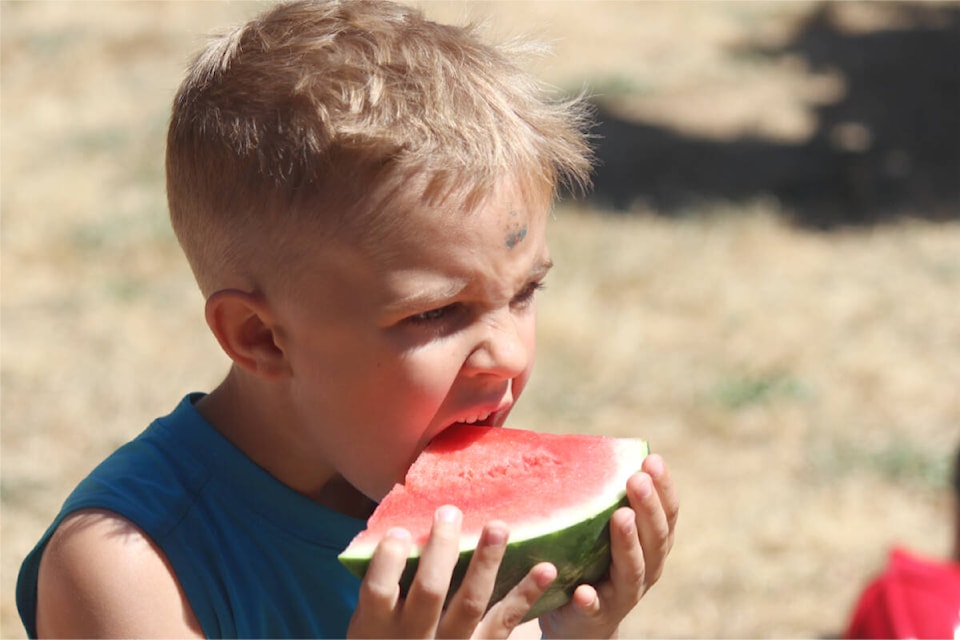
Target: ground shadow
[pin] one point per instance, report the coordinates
(889, 148)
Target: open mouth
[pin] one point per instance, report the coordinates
(490, 416)
(479, 420)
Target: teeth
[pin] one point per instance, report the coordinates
(476, 419)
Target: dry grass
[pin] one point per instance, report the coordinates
(803, 386)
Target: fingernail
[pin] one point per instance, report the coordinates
(448, 513)
(546, 577)
(398, 533)
(654, 465)
(628, 526)
(496, 537)
(644, 485)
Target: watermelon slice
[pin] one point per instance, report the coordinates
(555, 492)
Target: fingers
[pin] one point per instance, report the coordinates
(641, 538)
(380, 612)
(380, 590)
(628, 571)
(507, 614)
(381, 585)
(470, 602)
(653, 499)
(657, 469)
(428, 592)
(586, 600)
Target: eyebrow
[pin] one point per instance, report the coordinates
(541, 268)
(429, 296)
(440, 293)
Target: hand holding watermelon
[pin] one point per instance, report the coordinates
(383, 612)
(641, 536)
(591, 520)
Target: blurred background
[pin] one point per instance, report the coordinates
(765, 281)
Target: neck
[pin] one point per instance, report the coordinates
(266, 431)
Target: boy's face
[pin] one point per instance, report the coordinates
(432, 327)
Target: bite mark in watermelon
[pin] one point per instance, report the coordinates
(555, 492)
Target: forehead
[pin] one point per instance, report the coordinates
(411, 215)
(423, 256)
(488, 253)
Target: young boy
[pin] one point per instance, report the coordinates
(362, 195)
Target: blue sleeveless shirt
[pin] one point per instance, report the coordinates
(255, 558)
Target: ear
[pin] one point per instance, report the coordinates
(246, 330)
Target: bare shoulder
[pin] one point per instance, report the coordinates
(102, 576)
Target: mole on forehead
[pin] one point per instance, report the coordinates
(516, 232)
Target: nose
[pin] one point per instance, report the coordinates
(505, 346)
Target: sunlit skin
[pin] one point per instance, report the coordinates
(443, 333)
(340, 379)
(380, 349)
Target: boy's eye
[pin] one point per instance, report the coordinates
(433, 315)
(449, 312)
(526, 296)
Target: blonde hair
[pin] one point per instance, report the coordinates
(318, 110)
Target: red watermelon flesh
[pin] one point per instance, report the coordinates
(555, 492)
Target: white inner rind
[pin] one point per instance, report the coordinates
(628, 456)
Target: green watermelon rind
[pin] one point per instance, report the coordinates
(580, 552)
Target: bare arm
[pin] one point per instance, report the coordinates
(101, 576)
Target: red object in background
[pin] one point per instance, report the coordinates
(913, 597)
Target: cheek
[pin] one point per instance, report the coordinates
(423, 378)
(401, 389)
(399, 414)
(529, 337)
